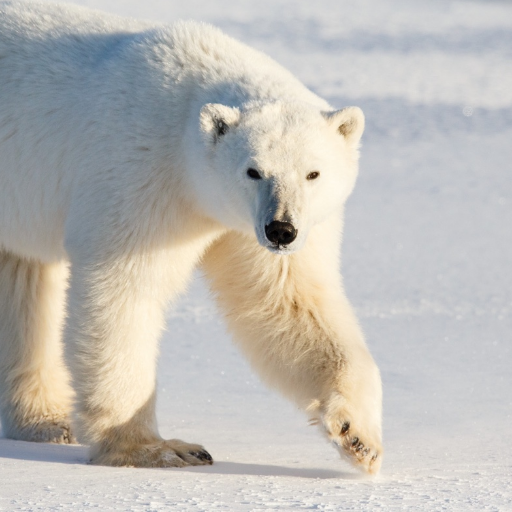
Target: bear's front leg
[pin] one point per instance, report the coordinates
(350, 414)
(115, 319)
(291, 318)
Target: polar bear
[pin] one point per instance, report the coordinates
(129, 155)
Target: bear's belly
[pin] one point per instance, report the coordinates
(38, 240)
(32, 212)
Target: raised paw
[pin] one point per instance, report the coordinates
(357, 449)
(161, 454)
(354, 427)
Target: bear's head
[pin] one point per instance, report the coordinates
(276, 169)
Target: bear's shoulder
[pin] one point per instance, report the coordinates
(239, 72)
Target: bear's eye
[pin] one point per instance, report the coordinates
(253, 174)
(313, 175)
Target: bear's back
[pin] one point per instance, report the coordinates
(68, 35)
(39, 20)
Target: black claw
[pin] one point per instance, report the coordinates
(345, 427)
(359, 447)
(366, 451)
(374, 457)
(202, 455)
(206, 456)
(355, 441)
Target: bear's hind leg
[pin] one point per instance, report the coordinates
(35, 398)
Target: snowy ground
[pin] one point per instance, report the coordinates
(427, 256)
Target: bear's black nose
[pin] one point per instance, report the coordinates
(280, 233)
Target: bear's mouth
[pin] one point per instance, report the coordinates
(281, 249)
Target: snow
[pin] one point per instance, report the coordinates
(427, 255)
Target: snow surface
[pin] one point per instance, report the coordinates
(427, 256)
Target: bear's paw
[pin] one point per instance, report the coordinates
(359, 444)
(162, 454)
(44, 430)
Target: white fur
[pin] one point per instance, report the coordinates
(124, 151)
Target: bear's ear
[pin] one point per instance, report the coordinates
(216, 120)
(349, 122)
